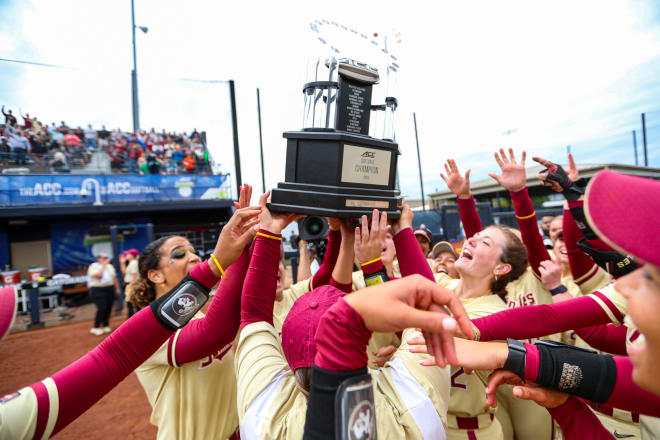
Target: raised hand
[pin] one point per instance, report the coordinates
(369, 243)
(554, 176)
(244, 197)
(334, 223)
(457, 183)
(414, 301)
(550, 273)
(513, 176)
(236, 234)
(406, 218)
(274, 221)
(523, 390)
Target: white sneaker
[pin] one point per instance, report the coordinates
(107, 329)
(96, 331)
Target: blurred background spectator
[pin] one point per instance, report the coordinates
(59, 148)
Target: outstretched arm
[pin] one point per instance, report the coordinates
(410, 256)
(322, 276)
(467, 209)
(514, 179)
(343, 270)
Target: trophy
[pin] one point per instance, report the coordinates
(333, 167)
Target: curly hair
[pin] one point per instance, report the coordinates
(142, 291)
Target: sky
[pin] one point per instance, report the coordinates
(478, 75)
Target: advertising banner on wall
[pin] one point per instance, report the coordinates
(28, 190)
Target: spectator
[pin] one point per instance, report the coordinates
(19, 146)
(153, 164)
(58, 162)
(4, 150)
(103, 286)
(27, 121)
(90, 137)
(9, 118)
(133, 152)
(189, 163)
(142, 165)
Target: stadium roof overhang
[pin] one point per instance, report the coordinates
(10, 212)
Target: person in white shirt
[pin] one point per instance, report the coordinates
(103, 289)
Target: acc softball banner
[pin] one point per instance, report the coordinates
(102, 189)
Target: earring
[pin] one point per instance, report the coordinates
(496, 277)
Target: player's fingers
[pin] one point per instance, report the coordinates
(383, 223)
(496, 177)
(417, 340)
(429, 362)
(503, 156)
(452, 164)
(443, 177)
(264, 198)
(236, 205)
(467, 176)
(498, 160)
(545, 163)
(375, 222)
(365, 229)
(419, 349)
(538, 395)
(512, 156)
(458, 312)
(247, 236)
(447, 169)
(358, 236)
(447, 341)
(571, 162)
(524, 157)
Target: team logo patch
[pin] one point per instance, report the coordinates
(362, 422)
(6, 398)
(185, 304)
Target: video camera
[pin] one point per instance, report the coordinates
(314, 230)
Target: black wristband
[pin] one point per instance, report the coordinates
(320, 417)
(376, 278)
(178, 306)
(559, 289)
(575, 370)
(515, 361)
(613, 262)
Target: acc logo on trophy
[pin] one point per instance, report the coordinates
(362, 423)
(369, 154)
(185, 304)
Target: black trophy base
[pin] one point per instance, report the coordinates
(333, 201)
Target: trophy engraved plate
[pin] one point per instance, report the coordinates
(333, 167)
(365, 165)
(353, 107)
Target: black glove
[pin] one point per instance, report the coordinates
(613, 262)
(571, 190)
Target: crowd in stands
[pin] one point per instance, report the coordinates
(61, 147)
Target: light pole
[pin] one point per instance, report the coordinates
(134, 85)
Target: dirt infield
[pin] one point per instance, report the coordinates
(27, 357)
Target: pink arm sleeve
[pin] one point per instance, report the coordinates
(467, 210)
(577, 421)
(322, 276)
(542, 320)
(529, 230)
(260, 282)
(579, 262)
(84, 382)
(348, 288)
(341, 323)
(609, 338)
(206, 336)
(410, 256)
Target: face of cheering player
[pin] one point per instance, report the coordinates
(556, 226)
(445, 263)
(560, 249)
(480, 257)
(388, 254)
(176, 259)
(642, 289)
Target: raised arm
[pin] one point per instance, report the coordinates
(541, 320)
(410, 256)
(460, 186)
(582, 267)
(322, 276)
(514, 179)
(46, 407)
(343, 270)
